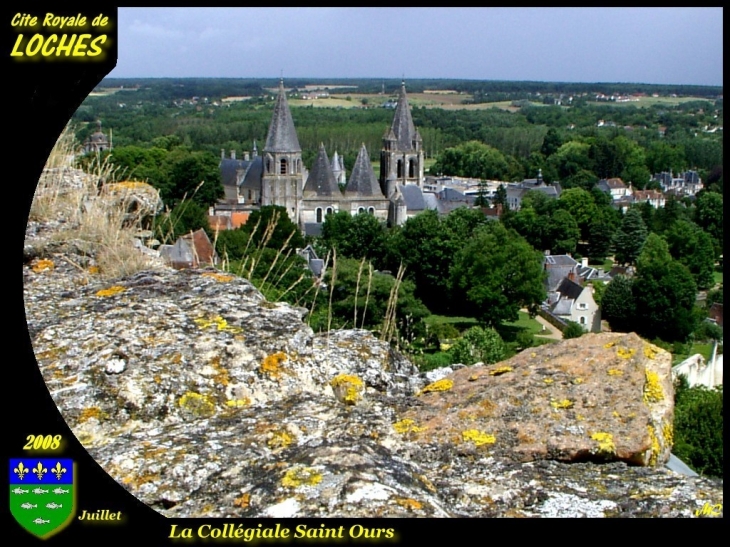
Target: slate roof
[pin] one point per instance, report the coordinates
(413, 197)
(254, 174)
(569, 289)
(557, 267)
(313, 229)
(229, 167)
(402, 126)
(362, 179)
(321, 180)
(282, 136)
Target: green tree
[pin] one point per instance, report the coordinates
(478, 345)
(357, 236)
(194, 176)
(551, 143)
(580, 204)
(562, 233)
(664, 294)
(617, 304)
(182, 219)
(271, 227)
(629, 239)
(698, 428)
(693, 248)
(472, 159)
(573, 330)
(496, 274)
(709, 217)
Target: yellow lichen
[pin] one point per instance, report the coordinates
(609, 345)
(655, 446)
(238, 403)
(427, 483)
(615, 414)
(93, 270)
(301, 476)
(347, 388)
(126, 185)
(548, 381)
(42, 265)
(565, 403)
(473, 378)
(651, 351)
(500, 370)
(605, 442)
(533, 354)
(407, 426)
(479, 438)
(218, 322)
(668, 431)
(218, 276)
(653, 392)
(615, 372)
(577, 381)
(221, 374)
(409, 503)
(111, 291)
(440, 385)
(271, 365)
(580, 417)
(280, 439)
(625, 353)
(195, 403)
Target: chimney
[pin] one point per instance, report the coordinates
(584, 262)
(246, 156)
(233, 154)
(223, 153)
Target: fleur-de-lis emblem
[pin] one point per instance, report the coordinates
(21, 471)
(39, 470)
(58, 470)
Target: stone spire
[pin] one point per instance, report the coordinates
(321, 180)
(282, 136)
(402, 126)
(362, 179)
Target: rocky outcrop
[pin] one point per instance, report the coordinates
(203, 399)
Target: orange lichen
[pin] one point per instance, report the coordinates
(91, 413)
(42, 265)
(93, 270)
(271, 365)
(111, 291)
(219, 277)
(243, 501)
(409, 503)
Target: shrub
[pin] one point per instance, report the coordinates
(479, 344)
(573, 330)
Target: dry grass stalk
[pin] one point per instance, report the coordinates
(357, 292)
(389, 321)
(367, 295)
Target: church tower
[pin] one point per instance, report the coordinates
(401, 158)
(283, 171)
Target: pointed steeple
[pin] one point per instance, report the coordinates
(321, 180)
(362, 180)
(282, 136)
(402, 126)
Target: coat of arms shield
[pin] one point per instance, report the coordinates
(43, 494)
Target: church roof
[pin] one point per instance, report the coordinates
(282, 136)
(362, 180)
(321, 180)
(402, 126)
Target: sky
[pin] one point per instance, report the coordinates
(643, 45)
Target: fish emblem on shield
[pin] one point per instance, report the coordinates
(43, 494)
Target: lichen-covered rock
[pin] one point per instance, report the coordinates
(203, 399)
(602, 397)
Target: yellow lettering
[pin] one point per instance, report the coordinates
(80, 49)
(47, 20)
(95, 50)
(45, 51)
(63, 46)
(15, 52)
(200, 531)
(34, 45)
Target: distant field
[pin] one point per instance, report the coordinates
(649, 101)
(103, 92)
(327, 102)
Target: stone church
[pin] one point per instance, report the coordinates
(278, 176)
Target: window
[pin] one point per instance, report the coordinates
(360, 210)
(582, 319)
(412, 168)
(399, 173)
(371, 210)
(582, 306)
(329, 210)
(319, 214)
(282, 166)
